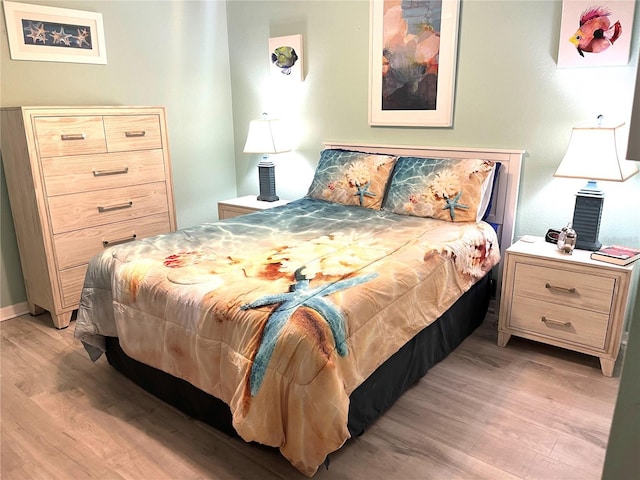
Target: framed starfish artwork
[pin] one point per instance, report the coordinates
(51, 34)
(595, 33)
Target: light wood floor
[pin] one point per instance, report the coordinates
(525, 411)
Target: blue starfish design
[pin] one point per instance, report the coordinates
(452, 204)
(363, 192)
(300, 295)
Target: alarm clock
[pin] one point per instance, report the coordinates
(567, 239)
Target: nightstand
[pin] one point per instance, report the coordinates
(569, 301)
(242, 205)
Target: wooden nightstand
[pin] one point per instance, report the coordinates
(565, 300)
(242, 205)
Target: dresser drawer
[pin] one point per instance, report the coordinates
(78, 135)
(132, 132)
(79, 246)
(71, 282)
(90, 209)
(83, 173)
(569, 324)
(564, 287)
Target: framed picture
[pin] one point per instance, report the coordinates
(51, 34)
(595, 33)
(412, 63)
(285, 57)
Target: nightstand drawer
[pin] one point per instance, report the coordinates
(70, 135)
(132, 132)
(564, 287)
(572, 325)
(83, 173)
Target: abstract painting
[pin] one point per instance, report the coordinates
(412, 62)
(51, 34)
(595, 33)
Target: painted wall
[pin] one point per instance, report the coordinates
(173, 54)
(509, 94)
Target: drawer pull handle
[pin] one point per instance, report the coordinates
(115, 207)
(109, 243)
(564, 289)
(555, 322)
(135, 133)
(73, 136)
(102, 173)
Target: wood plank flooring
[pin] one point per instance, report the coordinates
(527, 411)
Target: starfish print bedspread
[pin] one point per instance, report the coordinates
(282, 313)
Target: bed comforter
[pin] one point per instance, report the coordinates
(282, 313)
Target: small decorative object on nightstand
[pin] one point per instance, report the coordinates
(243, 205)
(571, 301)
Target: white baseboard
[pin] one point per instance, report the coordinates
(13, 311)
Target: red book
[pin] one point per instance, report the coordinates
(617, 254)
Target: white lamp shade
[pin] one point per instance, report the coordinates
(266, 136)
(596, 153)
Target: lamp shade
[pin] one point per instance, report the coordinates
(595, 153)
(266, 136)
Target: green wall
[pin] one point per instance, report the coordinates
(173, 54)
(509, 94)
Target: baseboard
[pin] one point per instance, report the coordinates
(13, 311)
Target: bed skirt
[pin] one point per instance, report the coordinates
(367, 402)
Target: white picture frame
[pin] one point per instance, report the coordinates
(430, 103)
(51, 34)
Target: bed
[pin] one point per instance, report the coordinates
(297, 326)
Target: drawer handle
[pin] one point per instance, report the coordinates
(555, 322)
(115, 207)
(102, 173)
(73, 136)
(109, 243)
(135, 133)
(563, 289)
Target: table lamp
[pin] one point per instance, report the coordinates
(594, 153)
(266, 136)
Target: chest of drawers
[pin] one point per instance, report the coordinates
(565, 300)
(81, 179)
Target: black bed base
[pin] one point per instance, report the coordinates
(367, 402)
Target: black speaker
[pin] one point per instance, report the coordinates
(267, 181)
(586, 219)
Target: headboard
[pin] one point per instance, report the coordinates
(505, 195)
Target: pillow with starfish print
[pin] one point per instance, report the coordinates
(456, 190)
(351, 178)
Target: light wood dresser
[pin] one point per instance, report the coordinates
(569, 301)
(81, 179)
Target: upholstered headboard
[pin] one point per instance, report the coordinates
(505, 194)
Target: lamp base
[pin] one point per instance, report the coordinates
(586, 218)
(267, 181)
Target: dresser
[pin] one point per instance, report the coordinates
(569, 301)
(82, 179)
(243, 205)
